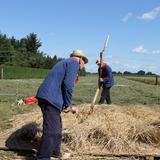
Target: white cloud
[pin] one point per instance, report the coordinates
(153, 14)
(140, 49)
(126, 17)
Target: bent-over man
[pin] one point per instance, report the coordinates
(54, 96)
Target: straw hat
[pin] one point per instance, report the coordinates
(79, 53)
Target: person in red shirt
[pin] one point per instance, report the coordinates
(106, 80)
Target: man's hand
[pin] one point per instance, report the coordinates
(74, 110)
(71, 109)
(101, 79)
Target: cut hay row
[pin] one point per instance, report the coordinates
(147, 80)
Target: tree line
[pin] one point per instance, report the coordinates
(140, 73)
(25, 52)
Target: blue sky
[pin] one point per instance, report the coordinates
(65, 25)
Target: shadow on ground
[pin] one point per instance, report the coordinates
(25, 141)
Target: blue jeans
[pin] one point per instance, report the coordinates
(52, 131)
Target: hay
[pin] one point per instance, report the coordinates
(115, 129)
(98, 136)
(109, 129)
(147, 134)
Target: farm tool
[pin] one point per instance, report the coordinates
(99, 76)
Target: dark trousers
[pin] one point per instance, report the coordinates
(52, 131)
(105, 95)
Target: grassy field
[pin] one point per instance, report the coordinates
(125, 92)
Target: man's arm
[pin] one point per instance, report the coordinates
(68, 83)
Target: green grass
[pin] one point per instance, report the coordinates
(133, 93)
(13, 72)
(124, 92)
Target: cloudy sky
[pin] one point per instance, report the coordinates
(65, 25)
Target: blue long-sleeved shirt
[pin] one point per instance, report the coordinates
(58, 85)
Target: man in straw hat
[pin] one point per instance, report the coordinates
(106, 80)
(54, 96)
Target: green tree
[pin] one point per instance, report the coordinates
(15, 43)
(40, 61)
(33, 43)
(25, 52)
(32, 46)
(51, 61)
(127, 73)
(22, 55)
(150, 74)
(141, 72)
(7, 52)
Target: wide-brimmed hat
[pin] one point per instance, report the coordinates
(79, 53)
